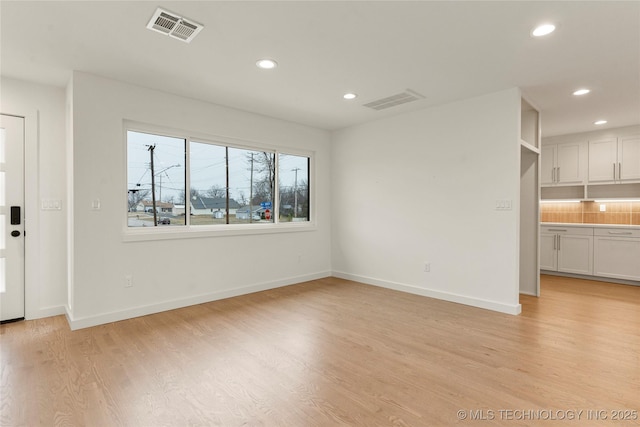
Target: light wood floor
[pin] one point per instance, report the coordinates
(333, 352)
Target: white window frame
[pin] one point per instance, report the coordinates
(187, 231)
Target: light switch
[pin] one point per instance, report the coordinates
(503, 205)
(51, 204)
(95, 204)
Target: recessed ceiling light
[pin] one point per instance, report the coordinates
(600, 122)
(581, 92)
(266, 64)
(543, 30)
(349, 96)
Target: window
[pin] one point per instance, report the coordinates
(231, 185)
(155, 180)
(293, 184)
(225, 184)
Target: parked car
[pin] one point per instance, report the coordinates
(164, 221)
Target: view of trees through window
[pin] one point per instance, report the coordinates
(293, 172)
(226, 185)
(155, 162)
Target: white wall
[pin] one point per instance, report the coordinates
(173, 273)
(43, 108)
(415, 188)
(422, 187)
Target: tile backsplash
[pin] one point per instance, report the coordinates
(627, 213)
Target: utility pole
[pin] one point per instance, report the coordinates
(251, 192)
(164, 171)
(226, 161)
(295, 194)
(153, 186)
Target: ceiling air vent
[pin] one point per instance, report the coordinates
(393, 100)
(173, 25)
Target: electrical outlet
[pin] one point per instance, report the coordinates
(427, 267)
(128, 281)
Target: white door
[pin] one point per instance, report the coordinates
(11, 217)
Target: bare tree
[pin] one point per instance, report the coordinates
(135, 197)
(303, 198)
(290, 194)
(264, 165)
(242, 199)
(193, 193)
(216, 192)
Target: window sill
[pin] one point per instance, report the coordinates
(140, 234)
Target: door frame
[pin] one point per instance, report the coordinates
(23, 220)
(41, 107)
(31, 213)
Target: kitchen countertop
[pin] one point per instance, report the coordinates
(571, 224)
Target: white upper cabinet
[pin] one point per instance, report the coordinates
(602, 164)
(603, 160)
(614, 159)
(564, 164)
(548, 164)
(629, 158)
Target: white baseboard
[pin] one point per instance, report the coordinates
(528, 293)
(114, 316)
(46, 312)
(594, 278)
(446, 296)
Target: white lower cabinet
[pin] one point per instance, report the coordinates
(617, 253)
(567, 249)
(548, 251)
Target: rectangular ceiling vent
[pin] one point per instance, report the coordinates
(393, 100)
(173, 25)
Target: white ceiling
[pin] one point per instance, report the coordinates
(445, 51)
